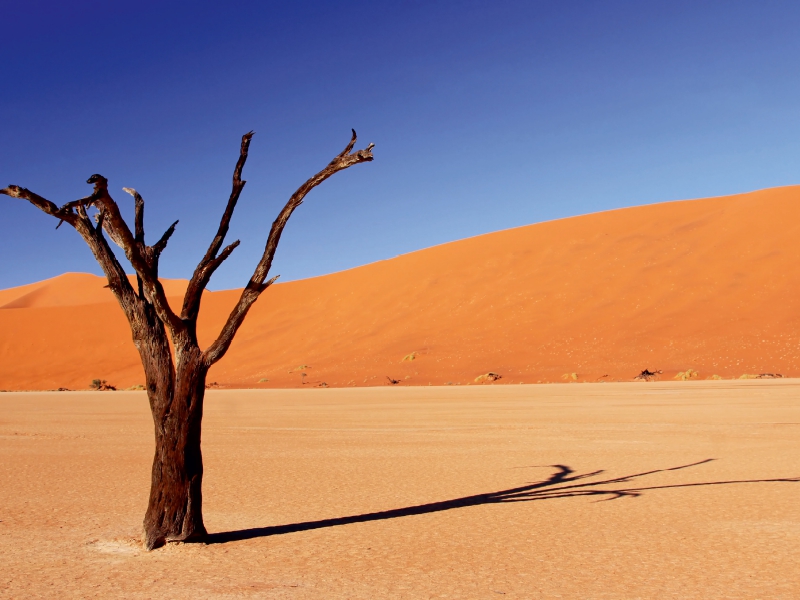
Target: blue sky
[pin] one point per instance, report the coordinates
(485, 116)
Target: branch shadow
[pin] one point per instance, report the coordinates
(561, 484)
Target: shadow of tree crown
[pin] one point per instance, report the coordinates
(561, 484)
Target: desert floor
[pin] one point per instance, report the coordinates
(646, 490)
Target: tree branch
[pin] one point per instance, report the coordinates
(269, 283)
(115, 225)
(81, 202)
(226, 252)
(117, 229)
(100, 218)
(256, 285)
(117, 279)
(159, 246)
(138, 213)
(203, 277)
(199, 280)
(144, 263)
(139, 229)
(42, 204)
(115, 274)
(237, 187)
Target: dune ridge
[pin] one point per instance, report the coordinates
(72, 289)
(708, 285)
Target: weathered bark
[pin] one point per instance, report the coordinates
(175, 507)
(175, 387)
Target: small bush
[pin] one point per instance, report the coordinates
(409, 357)
(570, 376)
(488, 377)
(101, 385)
(687, 375)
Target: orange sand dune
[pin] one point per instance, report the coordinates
(71, 289)
(707, 284)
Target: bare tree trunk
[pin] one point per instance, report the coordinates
(174, 510)
(175, 507)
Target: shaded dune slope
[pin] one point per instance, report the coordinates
(710, 285)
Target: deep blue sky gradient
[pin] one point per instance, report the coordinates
(485, 116)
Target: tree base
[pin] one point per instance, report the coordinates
(157, 540)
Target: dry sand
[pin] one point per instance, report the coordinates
(650, 490)
(708, 284)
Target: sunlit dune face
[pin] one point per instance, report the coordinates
(706, 285)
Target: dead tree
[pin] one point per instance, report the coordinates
(176, 383)
(648, 375)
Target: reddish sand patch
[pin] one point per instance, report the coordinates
(584, 491)
(708, 284)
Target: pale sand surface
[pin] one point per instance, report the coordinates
(74, 476)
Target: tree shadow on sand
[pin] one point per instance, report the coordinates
(559, 485)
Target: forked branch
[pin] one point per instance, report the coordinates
(144, 262)
(256, 285)
(111, 221)
(202, 274)
(161, 244)
(226, 252)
